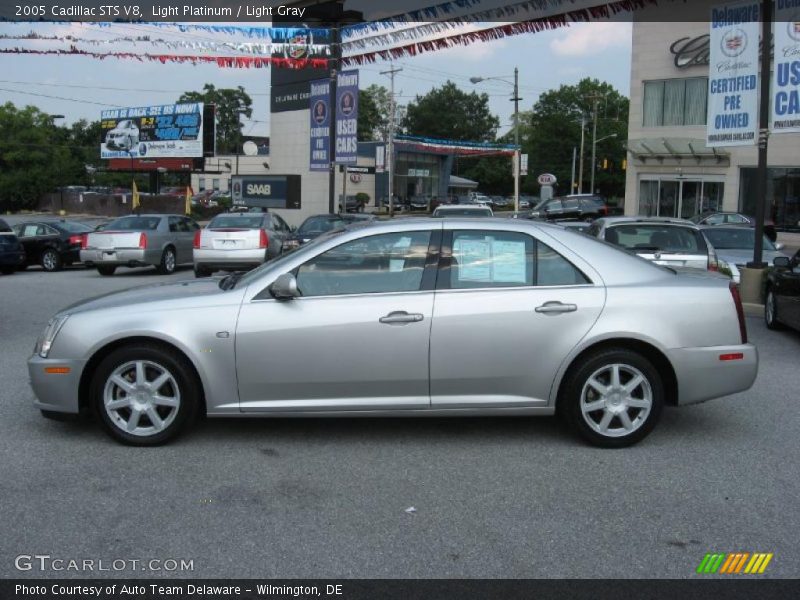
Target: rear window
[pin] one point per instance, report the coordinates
(134, 224)
(72, 227)
(735, 239)
(316, 225)
(656, 238)
(236, 222)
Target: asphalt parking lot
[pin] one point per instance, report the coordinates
(510, 498)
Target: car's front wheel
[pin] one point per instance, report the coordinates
(168, 262)
(51, 260)
(145, 395)
(771, 311)
(614, 398)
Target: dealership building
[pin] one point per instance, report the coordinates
(671, 171)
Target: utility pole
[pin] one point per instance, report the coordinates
(336, 54)
(574, 160)
(596, 99)
(392, 124)
(517, 169)
(583, 141)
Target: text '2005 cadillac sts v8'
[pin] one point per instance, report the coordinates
(413, 317)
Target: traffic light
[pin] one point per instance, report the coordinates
(605, 164)
(624, 164)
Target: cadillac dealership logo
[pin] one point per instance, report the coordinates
(734, 42)
(298, 45)
(320, 112)
(794, 28)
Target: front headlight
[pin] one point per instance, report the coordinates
(49, 334)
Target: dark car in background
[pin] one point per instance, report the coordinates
(580, 207)
(782, 305)
(51, 244)
(734, 218)
(12, 255)
(315, 225)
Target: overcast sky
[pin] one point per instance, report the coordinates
(85, 86)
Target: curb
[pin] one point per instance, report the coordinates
(753, 310)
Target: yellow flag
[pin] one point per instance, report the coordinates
(188, 200)
(135, 201)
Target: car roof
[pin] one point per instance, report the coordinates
(645, 220)
(737, 226)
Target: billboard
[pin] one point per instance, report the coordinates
(733, 75)
(266, 191)
(166, 131)
(289, 89)
(786, 85)
(347, 117)
(320, 115)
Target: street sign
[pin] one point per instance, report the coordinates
(523, 164)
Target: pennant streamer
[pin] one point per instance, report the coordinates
(450, 146)
(238, 62)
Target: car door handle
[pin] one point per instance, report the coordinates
(554, 308)
(401, 317)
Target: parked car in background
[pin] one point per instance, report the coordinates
(51, 244)
(734, 245)
(782, 304)
(733, 218)
(613, 338)
(579, 226)
(581, 207)
(462, 210)
(238, 242)
(162, 241)
(123, 137)
(12, 254)
(316, 225)
(664, 241)
(525, 202)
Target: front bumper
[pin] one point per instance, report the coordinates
(129, 257)
(55, 392)
(703, 375)
(225, 259)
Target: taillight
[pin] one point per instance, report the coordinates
(196, 242)
(713, 261)
(84, 241)
(143, 240)
(263, 240)
(737, 300)
(74, 240)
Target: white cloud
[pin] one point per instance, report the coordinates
(587, 39)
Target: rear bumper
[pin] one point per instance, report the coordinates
(12, 259)
(223, 259)
(702, 375)
(130, 257)
(55, 392)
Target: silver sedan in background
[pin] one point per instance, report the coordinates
(404, 318)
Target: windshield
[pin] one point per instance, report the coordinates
(317, 225)
(236, 221)
(134, 224)
(735, 239)
(463, 212)
(656, 238)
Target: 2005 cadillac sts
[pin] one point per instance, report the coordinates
(415, 317)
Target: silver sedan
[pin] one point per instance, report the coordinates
(413, 317)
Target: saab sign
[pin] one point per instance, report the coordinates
(266, 191)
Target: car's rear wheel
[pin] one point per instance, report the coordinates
(145, 395)
(7, 270)
(614, 398)
(51, 260)
(771, 311)
(201, 272)
(106, 270)
(168, 261)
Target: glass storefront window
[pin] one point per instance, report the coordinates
(783, 196)
(679, 197)
(417, 176)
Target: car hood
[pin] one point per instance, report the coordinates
(738, 256)
(147, 294)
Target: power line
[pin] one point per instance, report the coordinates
(82, 101)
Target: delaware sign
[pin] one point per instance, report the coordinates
(733, 75)
(320, 115)
(166, 131)
(786, 86)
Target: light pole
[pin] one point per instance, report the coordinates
(58, 174)
(594, 153)
(515, 99)
(239, 112)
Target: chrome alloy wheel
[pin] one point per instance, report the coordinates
(50, 260)
(141, 398)
(770, 308)
(616, 400)
(169, 261)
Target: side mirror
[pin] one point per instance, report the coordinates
(284, 287)
(782, 262)
(780, 246)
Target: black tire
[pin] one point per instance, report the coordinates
(107, 270)
(22, 267)
(201, 272)
(51, 260)
(7, 270)
(168, 261)
(59, 416)
(188, 394)
(771, 312)
(642, 419)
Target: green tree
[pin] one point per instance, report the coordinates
(374, 111)
(552, 129)
(447, 112)
(34, 156)
(229, 102)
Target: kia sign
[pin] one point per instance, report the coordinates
(547, 179)
(166, 131)
(266, 191)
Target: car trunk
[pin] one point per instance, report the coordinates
(113, 239)
(230, 239)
